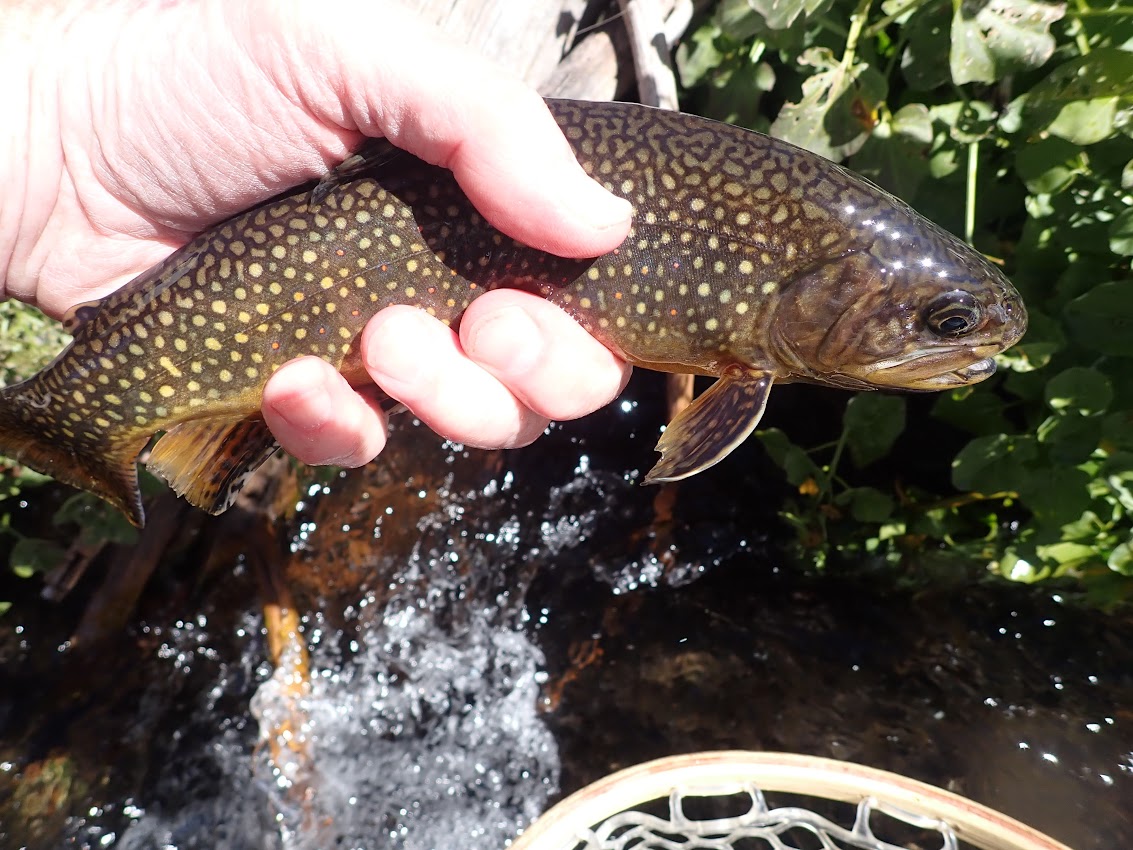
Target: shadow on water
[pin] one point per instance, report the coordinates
(489, 631)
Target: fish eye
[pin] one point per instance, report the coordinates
(953, 314)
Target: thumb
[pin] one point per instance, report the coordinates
(448, 105)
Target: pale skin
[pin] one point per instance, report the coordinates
(147, 122)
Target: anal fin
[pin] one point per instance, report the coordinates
(208, 460)
(707, 431)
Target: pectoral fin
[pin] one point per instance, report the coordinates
(208, 460)
(373, 154)
(706, 431)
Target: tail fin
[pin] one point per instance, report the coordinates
(98, 464)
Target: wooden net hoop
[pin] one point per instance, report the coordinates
(602, 816)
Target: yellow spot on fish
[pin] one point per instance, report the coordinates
(170, 367)
(166, 391)
(704, 290)
(213, 344)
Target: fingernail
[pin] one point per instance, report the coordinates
(393, 354)
(306, 410)
(507, 341)
(595, 206)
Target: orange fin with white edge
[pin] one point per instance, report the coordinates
(208, 460)
(707, 431)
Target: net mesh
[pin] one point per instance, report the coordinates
(871, 825)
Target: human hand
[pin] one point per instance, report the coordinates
(147, 123)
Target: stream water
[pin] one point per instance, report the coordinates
(490, 631)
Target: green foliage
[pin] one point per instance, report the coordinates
(28, 339)
(1010, 122)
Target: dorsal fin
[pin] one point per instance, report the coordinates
(373, 154)
(208, 460)
(707, 431)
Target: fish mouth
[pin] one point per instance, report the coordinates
(923, 371)
(973, 373)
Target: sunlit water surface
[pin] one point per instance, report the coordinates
(490, 631)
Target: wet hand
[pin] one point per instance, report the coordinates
(179, 115)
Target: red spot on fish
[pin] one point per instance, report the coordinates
(618, 296)
(275, 346)
(672, 312)
(322, 330)
(340, 252)
(617, 251)
(355, 312)
(676, 265)
(432, 290)
(385, 267)
(471, 285)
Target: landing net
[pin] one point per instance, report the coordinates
(725, 801)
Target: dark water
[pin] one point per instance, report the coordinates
(489, 631)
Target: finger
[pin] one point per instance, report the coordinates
(541, 354)
(319, 418)
(418, 361)
(450, 106)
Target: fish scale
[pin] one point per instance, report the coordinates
(748, 259)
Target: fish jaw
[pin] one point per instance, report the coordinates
(934, 369)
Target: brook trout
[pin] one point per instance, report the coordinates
(749, 260)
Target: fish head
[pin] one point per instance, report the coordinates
(914, 310)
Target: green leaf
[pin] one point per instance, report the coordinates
(698, 61)
(1117, 431)
(1072, 438)
(1080, 99)
(1049, 165)
(1121, 234)
(97, 520)
(828, 119)
(967, 121)
(1102, 319)
(738, 20)
(872, 422)
(994, 463)
(780, 14)
(794, 461)
(1066, 552)
(1121, 558)
(992, 38)
(1043, 340)
(973, 410)
(1127, 176)
(895, 156)
(1056, 494)
(924, 62)
(1081, 389)
(33, 555)
(868, 504)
